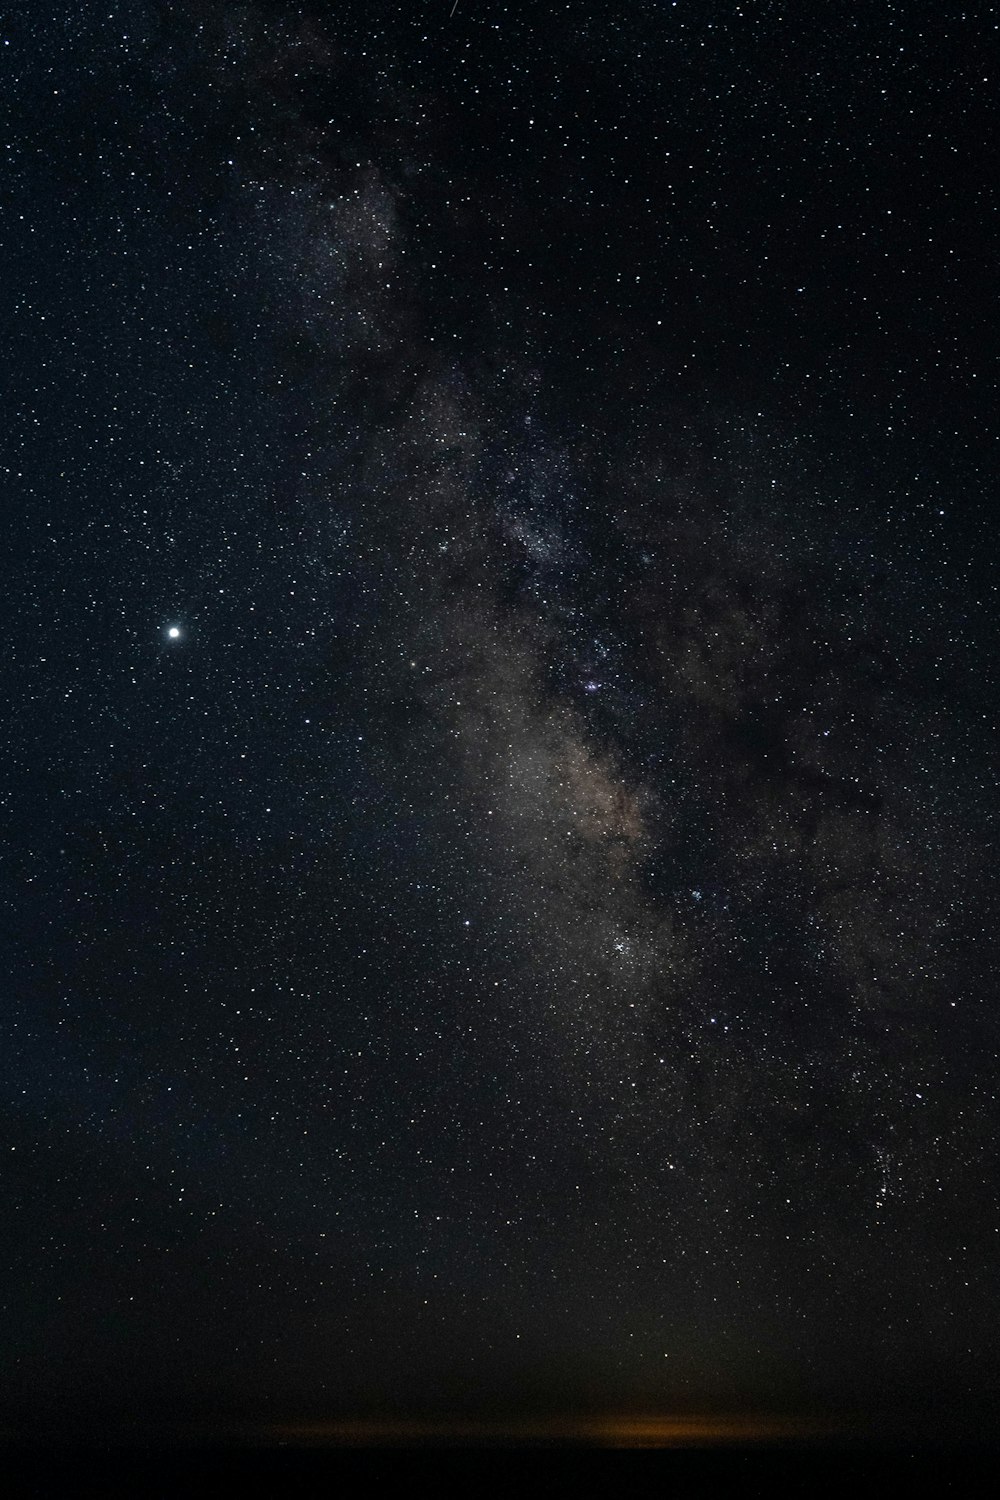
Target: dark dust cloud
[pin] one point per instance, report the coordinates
(500, 807)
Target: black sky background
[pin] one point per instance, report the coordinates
(527, 942)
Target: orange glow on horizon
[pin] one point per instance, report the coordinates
(612, 1431)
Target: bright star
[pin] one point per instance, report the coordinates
(174, 632)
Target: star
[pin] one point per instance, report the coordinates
(174, 633)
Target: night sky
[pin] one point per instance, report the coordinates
(500, 696)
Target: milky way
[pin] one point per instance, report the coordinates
(502, 894)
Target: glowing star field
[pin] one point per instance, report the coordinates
(498, 875)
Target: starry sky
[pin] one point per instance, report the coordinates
(499, 796)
